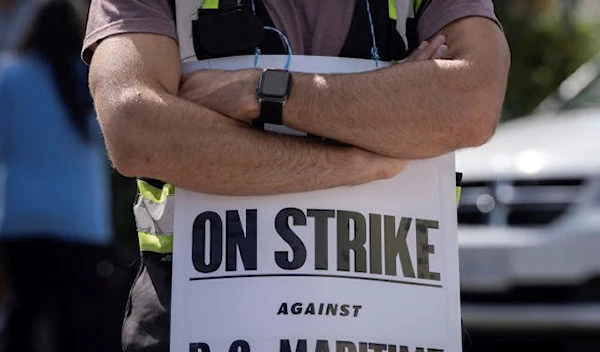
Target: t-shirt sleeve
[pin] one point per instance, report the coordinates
(439, 13)
(110, 17)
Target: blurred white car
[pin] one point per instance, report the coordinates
(529, 222)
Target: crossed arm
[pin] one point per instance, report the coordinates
(151, 132)
(412, 110)
(418, 109)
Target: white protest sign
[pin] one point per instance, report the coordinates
(350, 269)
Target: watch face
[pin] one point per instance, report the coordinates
(275, 83)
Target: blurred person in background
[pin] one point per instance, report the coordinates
(14, 18)
(56, 225)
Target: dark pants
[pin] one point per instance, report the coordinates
(146, 327)
(62, 285)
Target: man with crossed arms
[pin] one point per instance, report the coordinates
(194, 131)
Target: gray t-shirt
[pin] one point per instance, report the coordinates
(314, 27)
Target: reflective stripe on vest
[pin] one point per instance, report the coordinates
(155, 243)
(154, 211)
(392, 8)
(210, 4)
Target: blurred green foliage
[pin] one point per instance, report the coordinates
(547, 45)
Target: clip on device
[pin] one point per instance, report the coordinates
(228, 30)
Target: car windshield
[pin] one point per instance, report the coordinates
(589, 97)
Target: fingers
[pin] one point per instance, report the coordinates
(430, 50)
(440, 53)
(418, 53)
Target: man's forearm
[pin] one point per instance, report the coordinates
(150, 132)
(413, 110)
(161, 136)
(416, 109)
(386, 111)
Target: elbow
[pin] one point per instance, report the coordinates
(123, 159)
(481, 102)
(480, 127)
(480, 119)
(483, 118)
(123, 130)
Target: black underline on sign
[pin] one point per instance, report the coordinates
(315, 275)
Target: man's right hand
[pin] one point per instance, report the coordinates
(376, 167)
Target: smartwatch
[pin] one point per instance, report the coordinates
(273, 90)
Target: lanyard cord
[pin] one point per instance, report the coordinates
(374, 48)
(281, 35)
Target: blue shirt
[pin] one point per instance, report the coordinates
(14, 21)
(55, 183)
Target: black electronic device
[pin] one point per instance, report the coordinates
(229, 30)
(274, 88)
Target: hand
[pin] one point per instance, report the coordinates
(434, 50)
(230, 93)
(373, 167)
